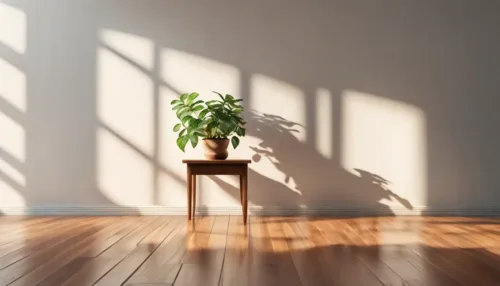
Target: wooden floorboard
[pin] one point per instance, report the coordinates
(221, 250)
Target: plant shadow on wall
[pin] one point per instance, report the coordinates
(309, 177)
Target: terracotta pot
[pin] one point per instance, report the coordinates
(215, 149)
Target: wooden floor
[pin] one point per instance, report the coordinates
(220, 250)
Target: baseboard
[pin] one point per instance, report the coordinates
(236, 210)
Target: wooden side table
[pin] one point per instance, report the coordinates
(216, 167)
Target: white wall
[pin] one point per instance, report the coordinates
(339, 94)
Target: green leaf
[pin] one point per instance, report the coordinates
(184, 96)
(200, 122)
(178, 141)
(192, 97)
(180, 111)
(198, 108)
(205, 122)
(203, 113)
(177, 106)
(175, 101)
(186, 119)
(215, 106)
(184, 114)
(182, 132)
(177, 127)
(194, 124)
(229, 98)
(234, 104)
(236, 118)
(240, 131)
(235, 141)
(197, 102)
(185, 140)
(182, 141)
(238, 110)
(218, 113)
(226, 127)
(194, 140)
(214, 102)
(211, 126)
(222, 97)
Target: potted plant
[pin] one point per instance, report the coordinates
(216, 121)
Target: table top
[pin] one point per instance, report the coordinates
(220, 162)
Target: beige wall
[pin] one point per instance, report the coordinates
(340, 94)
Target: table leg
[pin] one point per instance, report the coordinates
(241, 190)
(189, 190)
(194, 194)
(244, 191)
